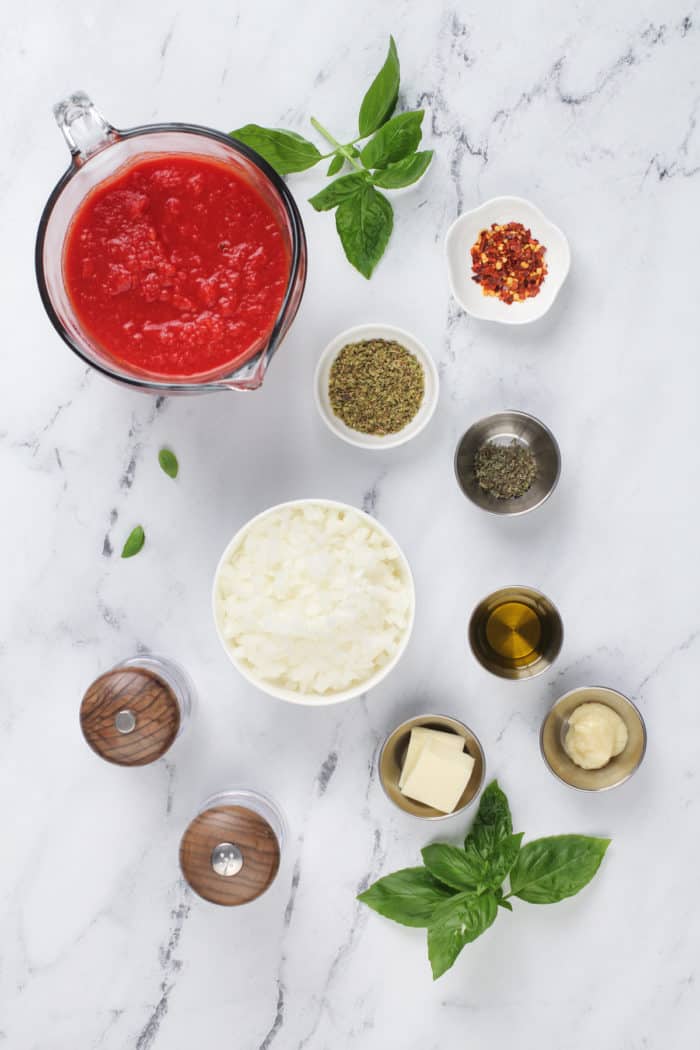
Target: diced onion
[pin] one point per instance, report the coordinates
(314, 599)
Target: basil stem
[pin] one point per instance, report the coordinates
(338, 146)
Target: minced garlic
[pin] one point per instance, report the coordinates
(595, 734)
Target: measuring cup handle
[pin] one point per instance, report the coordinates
(83, 127)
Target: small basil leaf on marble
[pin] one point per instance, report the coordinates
(455, 867)
(380, 99)
(168, 462)
(550, 869)
(394, 141)
(364, 223)
(134, 542)
(409, 896)
(331, 196)
(403, 172)
(455, 923)
(336, 164)
(285, 151)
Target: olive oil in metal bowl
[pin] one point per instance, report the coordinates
(516, 632)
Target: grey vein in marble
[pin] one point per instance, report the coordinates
(170, 967)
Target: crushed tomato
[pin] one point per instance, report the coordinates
(176, 266)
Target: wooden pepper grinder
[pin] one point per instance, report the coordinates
(230, 853)
(132, 714)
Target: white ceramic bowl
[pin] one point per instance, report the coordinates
(292, 695)
(464, 232)
(357, 335)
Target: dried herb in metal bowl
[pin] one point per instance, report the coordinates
(505, 471)
(376, 386)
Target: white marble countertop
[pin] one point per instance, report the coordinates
(588, 110)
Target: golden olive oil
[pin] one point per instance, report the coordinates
(514, 632)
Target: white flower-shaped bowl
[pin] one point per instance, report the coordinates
(357, 335)
(464, 232)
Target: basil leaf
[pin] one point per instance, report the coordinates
(493, 820)
(364, 223)
(336, 164)
(550, 869)
(409, 896)
(380, 99)
(491, 838)
(403, 172)
(394, 141)
(285, 151)
(455, 923)
(455, 867)
(168, 462)
(499, 860)
(344, 187)
(134, 542)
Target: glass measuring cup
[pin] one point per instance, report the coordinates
(98, 150)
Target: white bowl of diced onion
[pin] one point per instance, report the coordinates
(313, 602)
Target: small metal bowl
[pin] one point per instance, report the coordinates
(620, 768)
(393, 754)
(501, 429)
(548, 644)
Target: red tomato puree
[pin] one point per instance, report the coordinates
(176, 266)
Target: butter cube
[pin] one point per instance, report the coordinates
(438, 780)
(442, 743)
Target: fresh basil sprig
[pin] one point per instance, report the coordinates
(458, 892)
(389, 159)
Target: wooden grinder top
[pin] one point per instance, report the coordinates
(130, 716)
(238, 843)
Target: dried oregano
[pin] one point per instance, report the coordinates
(376, 386)
(505, 471)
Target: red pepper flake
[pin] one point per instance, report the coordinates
(508, 262)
